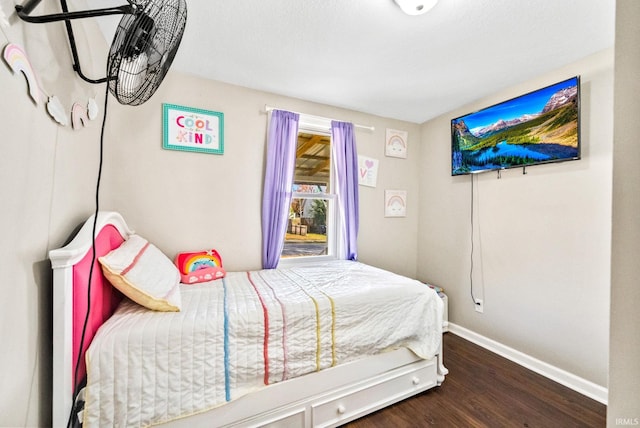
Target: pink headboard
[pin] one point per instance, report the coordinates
(104, 297)
(71, 265)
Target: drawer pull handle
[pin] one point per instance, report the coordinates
(341, 409)
(415, 380)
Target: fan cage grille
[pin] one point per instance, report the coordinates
(143, 49)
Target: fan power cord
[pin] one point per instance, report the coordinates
(76, 388)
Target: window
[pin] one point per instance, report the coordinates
(311, 225)
(329, 199)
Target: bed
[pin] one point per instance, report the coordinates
(295, 347)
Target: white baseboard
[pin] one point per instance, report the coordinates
(578, 384)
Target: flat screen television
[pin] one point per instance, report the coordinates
(541, 126)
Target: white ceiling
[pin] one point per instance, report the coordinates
(368, 56)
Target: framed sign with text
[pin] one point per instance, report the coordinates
(192, 130)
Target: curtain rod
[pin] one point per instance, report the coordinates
(268, 108)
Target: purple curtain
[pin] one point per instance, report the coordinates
(345, 160)
(281, 162)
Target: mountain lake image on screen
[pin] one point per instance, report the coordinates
(541, 126)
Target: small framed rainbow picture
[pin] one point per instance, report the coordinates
(396, 143)
(192, 129)
(395, 203)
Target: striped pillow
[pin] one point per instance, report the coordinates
(144, 274)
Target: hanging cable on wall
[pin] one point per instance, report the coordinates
(77, 385)
(144, 46)
(471, 256)
(478, 303)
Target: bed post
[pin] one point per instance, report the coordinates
(62, 344)
(442, 370)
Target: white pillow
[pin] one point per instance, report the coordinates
(144, 274)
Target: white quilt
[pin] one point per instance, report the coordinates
(249, 330)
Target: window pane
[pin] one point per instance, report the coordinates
(309, 188)
(313, 160)
(307, 228)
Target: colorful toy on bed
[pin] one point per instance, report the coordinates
(200, 266)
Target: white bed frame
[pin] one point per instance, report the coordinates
(331, 397)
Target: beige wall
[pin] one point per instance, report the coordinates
(546, 294)
(541, 240)
(180, 201)
(46, 187)
(185, 201)
(624, 372)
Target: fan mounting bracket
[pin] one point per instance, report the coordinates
(25, 10)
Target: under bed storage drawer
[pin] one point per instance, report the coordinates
(291, 417)
(375, 393)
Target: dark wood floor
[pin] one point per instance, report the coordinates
(483, 389)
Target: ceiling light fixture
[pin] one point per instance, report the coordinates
(416, 7)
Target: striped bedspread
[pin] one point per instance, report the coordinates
(249, 330)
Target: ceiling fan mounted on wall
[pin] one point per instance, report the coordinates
(143, 48)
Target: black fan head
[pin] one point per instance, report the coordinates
(143, 49)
